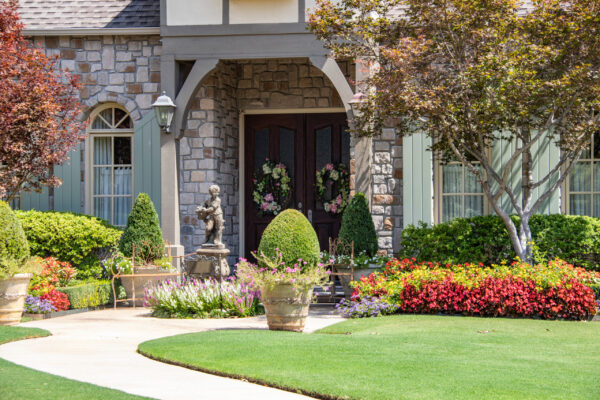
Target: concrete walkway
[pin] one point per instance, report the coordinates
(100, 347)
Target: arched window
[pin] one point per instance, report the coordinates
(110, 155)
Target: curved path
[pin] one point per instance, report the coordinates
(100, 347)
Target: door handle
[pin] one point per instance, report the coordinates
(310, 216)
(299, 205)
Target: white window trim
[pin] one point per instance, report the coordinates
(89, 159)
(438, 193)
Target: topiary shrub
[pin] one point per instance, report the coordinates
(358, 227)
(74, 238)
(14, 248)
(143, 231)
(293, 235)
(575, 239)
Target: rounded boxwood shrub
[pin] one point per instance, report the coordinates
(143, 231)
(358, 227)
(14, 247)
(575, 239)
(293, 235)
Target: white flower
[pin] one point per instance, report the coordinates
(266, 169)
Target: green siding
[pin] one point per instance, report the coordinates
(146, 158)
(417, 193)
(502, 150)
(67, 197)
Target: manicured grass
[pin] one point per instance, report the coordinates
(407, 357)
(19, 383)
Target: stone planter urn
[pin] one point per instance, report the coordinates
(12, 298)
(140, 283)
(286, 308)
(365, 271)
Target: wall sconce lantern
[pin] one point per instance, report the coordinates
(164, 108)
(356, 100)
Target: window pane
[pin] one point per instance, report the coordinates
(472, 184)
(261, 147)
(122, 123)
(579, 180)
(102, 208)
(452, 178)
(122, 209)
(580, 204)
(346, 147)
(596, 205)
(473, 206)
(122, 180)
(102, 180)
(586, 154)
(596, 177)
(286, 149)
(103, 120)
(122, 150)
(596, 146)
(451, 207)
(102, 150)
(323, 146)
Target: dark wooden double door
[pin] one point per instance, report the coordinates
(304, 143)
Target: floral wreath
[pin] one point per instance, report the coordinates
(338, 180)
(272, 187)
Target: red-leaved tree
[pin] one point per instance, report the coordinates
(39, 111)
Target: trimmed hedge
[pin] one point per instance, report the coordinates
(358, 227)
(292, 234)
(484, 239)
(74, 238)
(13, 243)
(143, 231)
(91, 294)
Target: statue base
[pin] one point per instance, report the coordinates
(211, 262)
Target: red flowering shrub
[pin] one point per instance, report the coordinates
(549, 291)
(59, 300)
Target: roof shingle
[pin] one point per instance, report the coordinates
(57, 14)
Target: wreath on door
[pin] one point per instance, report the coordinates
(333, 187)
(272, 188)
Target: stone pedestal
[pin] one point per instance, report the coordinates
(211, 262)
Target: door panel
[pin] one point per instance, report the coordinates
(300, 141)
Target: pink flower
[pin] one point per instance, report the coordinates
(329, 167)
(333, 208)
(264, 206)
(281, 165)
(269, 197)
(338, 200)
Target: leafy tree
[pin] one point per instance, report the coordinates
(39, 110)
(143, 232)
(470, 72)
(357, 226)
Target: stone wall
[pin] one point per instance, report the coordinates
(209, 148)
(387, 189)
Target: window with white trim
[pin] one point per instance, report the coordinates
(583, 182)
(111, 165)
(458, 192)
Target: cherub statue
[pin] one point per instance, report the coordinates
(212, 215)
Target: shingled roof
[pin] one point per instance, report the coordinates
(89, 14)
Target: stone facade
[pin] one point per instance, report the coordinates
(121, 69)
(386, 170)
(209, 148)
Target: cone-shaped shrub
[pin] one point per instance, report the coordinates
(293, 235)
(143, 231)
(13, 242)
(358, 227)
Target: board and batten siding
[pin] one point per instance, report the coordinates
(417, 164)
(146, 158)
(67, 197)
(417, 193)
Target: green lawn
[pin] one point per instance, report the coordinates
(20, 383)
(406, 357)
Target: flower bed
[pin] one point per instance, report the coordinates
(194, 298)
(550, 291)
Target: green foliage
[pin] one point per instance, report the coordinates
(74, 238)
(13, 243)
(575, 239)
(291, 234)
(143, 232)
(92, 294)
(358, 227)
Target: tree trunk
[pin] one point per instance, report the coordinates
(527, 194)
